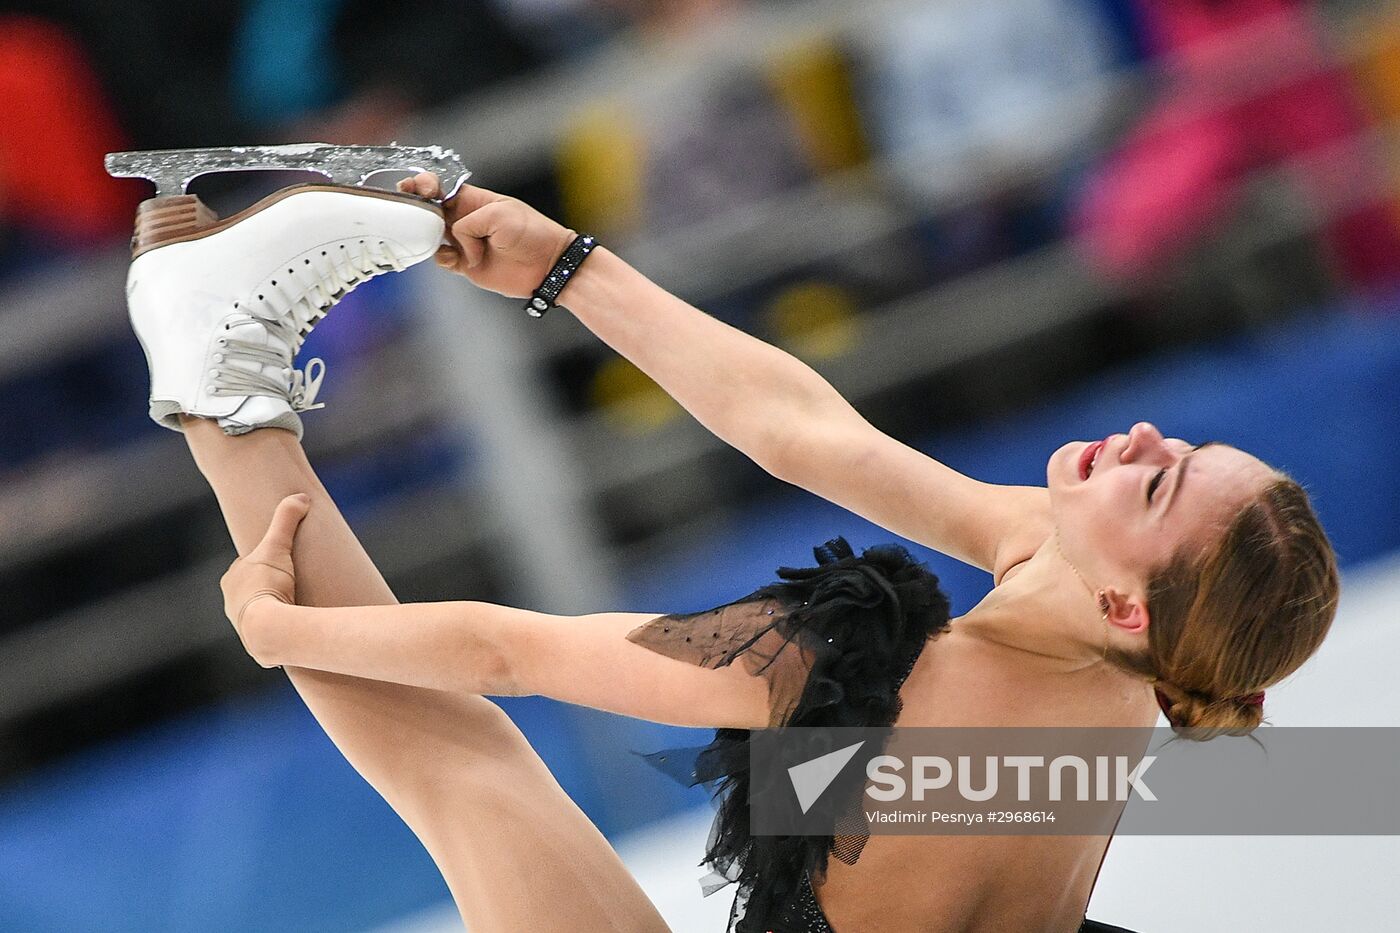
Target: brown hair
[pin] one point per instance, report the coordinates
(1240, 617)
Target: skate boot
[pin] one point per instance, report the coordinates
(222, 307)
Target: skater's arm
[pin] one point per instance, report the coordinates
(474, 648)
(481, 648)
(793, 423)
(754, 396)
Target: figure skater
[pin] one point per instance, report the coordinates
(1147, 573)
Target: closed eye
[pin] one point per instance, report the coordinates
(1162, 473)
(1156, 481)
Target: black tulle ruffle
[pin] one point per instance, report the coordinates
(854, 626)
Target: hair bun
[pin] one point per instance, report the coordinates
(1200, 717)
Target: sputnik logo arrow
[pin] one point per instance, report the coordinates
(811, 778)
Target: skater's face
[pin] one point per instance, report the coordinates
(1145, 499)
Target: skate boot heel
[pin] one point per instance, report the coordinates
(164, 220)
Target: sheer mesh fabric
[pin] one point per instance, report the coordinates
(835, 643)
(743, 632)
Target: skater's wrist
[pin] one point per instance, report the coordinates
(595, 283)
(561, 274)
(266, 624)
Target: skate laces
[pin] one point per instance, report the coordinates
(293, 306)
(323, 280)
(297, 387)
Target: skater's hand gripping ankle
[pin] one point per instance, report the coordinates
(499, 243)
(266, 572)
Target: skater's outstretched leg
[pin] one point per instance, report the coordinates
(514, 849)
(221, 312)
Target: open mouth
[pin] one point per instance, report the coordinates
(1089, 457)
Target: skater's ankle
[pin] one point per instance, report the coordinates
(199, 424)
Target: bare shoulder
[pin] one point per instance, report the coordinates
(1027, 525)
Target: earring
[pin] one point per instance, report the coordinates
(1107, 630)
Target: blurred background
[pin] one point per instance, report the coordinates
(996, 227)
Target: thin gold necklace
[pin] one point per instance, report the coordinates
(1099, 593)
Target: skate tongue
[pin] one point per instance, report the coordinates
(172, 170)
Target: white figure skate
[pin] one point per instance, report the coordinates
(221, 307)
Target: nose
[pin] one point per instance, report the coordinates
(1145, 444)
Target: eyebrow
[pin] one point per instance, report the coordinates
(1181, 473)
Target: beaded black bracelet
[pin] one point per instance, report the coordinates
(548, 293)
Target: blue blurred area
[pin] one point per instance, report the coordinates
(212, 822)
(274, 33)
(208, 824)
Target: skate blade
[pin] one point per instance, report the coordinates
(172, 170)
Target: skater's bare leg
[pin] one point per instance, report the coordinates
(516, 852)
